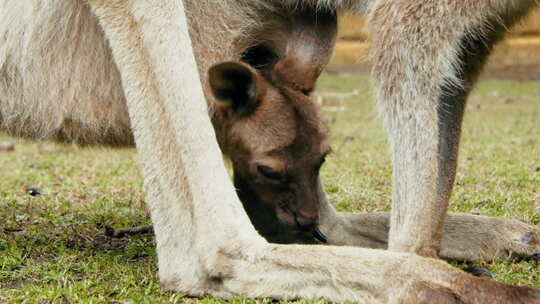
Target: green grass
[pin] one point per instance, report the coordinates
(58, 252)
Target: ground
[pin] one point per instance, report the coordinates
(52, 247)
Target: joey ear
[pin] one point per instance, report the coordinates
(236, 86)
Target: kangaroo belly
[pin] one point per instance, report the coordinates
(57, 76)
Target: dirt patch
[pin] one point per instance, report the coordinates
(17, 283)
(105, 243)
(515, 73)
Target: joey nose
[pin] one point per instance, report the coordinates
(306, 223)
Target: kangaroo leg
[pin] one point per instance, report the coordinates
(354, 274)
(426, 58)
(466, 237)
(186, 183)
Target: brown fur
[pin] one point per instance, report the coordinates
(279, 129)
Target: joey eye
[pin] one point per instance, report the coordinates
(268, 172)
(306, 92)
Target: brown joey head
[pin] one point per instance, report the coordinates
(269, 127)
(277, 145)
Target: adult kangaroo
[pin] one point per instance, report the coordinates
(205, 241)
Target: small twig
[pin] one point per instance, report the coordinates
(122, 232)
(338, 95)
(7, 146)
(84, 237)
(479, 272)
(10, 229)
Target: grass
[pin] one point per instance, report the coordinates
(52, 248)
